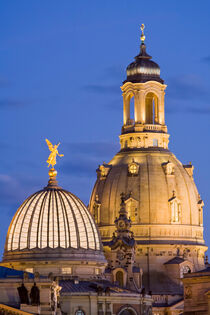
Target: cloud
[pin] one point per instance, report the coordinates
(99, 149)
(4, 82)
(11, 190)
(187, 87)
(187, 109)
(7, 103)
(87, 156)
(115, 72)
(102, 89)
(206, 59)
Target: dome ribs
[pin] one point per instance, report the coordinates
(30, 226)
(40, 220)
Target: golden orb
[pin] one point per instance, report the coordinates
(52, 173)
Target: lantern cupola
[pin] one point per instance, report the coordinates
(145, 90)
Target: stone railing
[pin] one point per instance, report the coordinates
(152, 127)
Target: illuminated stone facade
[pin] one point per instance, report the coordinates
(161, 197)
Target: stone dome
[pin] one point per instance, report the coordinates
(162, 199)
(53, 223)
(143, 69)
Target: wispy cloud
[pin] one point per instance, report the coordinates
(102, 89)
(188, 110)
(206, 59)
(87, 156)
(8, 103)
(4, 82)
(92, 148)
(116, 72)
(11, 190)
(187, 87)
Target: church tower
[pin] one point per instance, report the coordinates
(161, 200)
(144, 85)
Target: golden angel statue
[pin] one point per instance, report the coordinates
(54, 152)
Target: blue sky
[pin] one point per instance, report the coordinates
(61, 67)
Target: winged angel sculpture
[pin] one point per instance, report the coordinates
(54, 152)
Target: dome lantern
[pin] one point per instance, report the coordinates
(143, 84)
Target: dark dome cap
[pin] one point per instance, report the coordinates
(143, 69)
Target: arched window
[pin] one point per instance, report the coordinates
(80, 312)
(175, 211)
(119, 278)
(151, 109)
(128, 111)
(127, 311)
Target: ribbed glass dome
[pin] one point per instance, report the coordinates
(52, 218)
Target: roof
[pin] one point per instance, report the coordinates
(72, 286)
(199, 273)
(175, 261)
(11, 310)
(53, 222)
(6, 273)
(143, 69)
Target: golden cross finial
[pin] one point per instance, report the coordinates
(142, 33)
(54, 152)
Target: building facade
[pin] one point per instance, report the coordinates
(142, 235)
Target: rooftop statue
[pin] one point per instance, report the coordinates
(54, 152)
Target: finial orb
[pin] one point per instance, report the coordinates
(52, 173)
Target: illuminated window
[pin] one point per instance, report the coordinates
(97, 271)
(132, 209)
(31, 270)
(175, 211)
(155, 143)
(67, 270)
(119, 278)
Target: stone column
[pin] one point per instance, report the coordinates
(161, 109)
(140, 107)
(126, 108)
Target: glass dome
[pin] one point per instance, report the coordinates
(52, 218)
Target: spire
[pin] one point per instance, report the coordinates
(123, 227)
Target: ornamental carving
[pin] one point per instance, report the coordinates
(168, 168)
(103, 170)
(188, 293)
(175, 209)
(133, 168)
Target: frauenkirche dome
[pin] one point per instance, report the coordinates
(161, 197)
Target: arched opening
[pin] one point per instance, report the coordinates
(151, 109)
(132, 110)
(80, 312)
(175, 211)
(128, 112)
(119, 278)
(127, 311)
